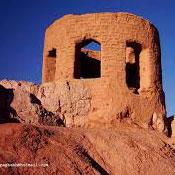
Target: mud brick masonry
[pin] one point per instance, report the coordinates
(124, 77)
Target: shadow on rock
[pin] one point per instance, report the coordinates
(170, 121)
(7, 113)
(34, 99)
(46, 117)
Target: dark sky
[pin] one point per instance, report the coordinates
(22, 25)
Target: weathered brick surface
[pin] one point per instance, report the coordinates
(111, 96)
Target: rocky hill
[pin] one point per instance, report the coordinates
(70, 151)
(40, 126)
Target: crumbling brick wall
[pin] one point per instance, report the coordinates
(129, 83)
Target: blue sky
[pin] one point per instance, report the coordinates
(22, 25)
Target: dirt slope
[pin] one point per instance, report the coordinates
(70, 151)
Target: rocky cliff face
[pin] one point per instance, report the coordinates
(64, 103)
(46, 124)
(60, 103)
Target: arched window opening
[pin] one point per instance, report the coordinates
(94, 46)
(87, 60)
(133, 50)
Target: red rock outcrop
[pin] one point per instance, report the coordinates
(19, 104)
(123, 147)
(62, 103)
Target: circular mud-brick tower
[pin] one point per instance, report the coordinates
(124, 77)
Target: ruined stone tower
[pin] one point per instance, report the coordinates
(124, 78)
